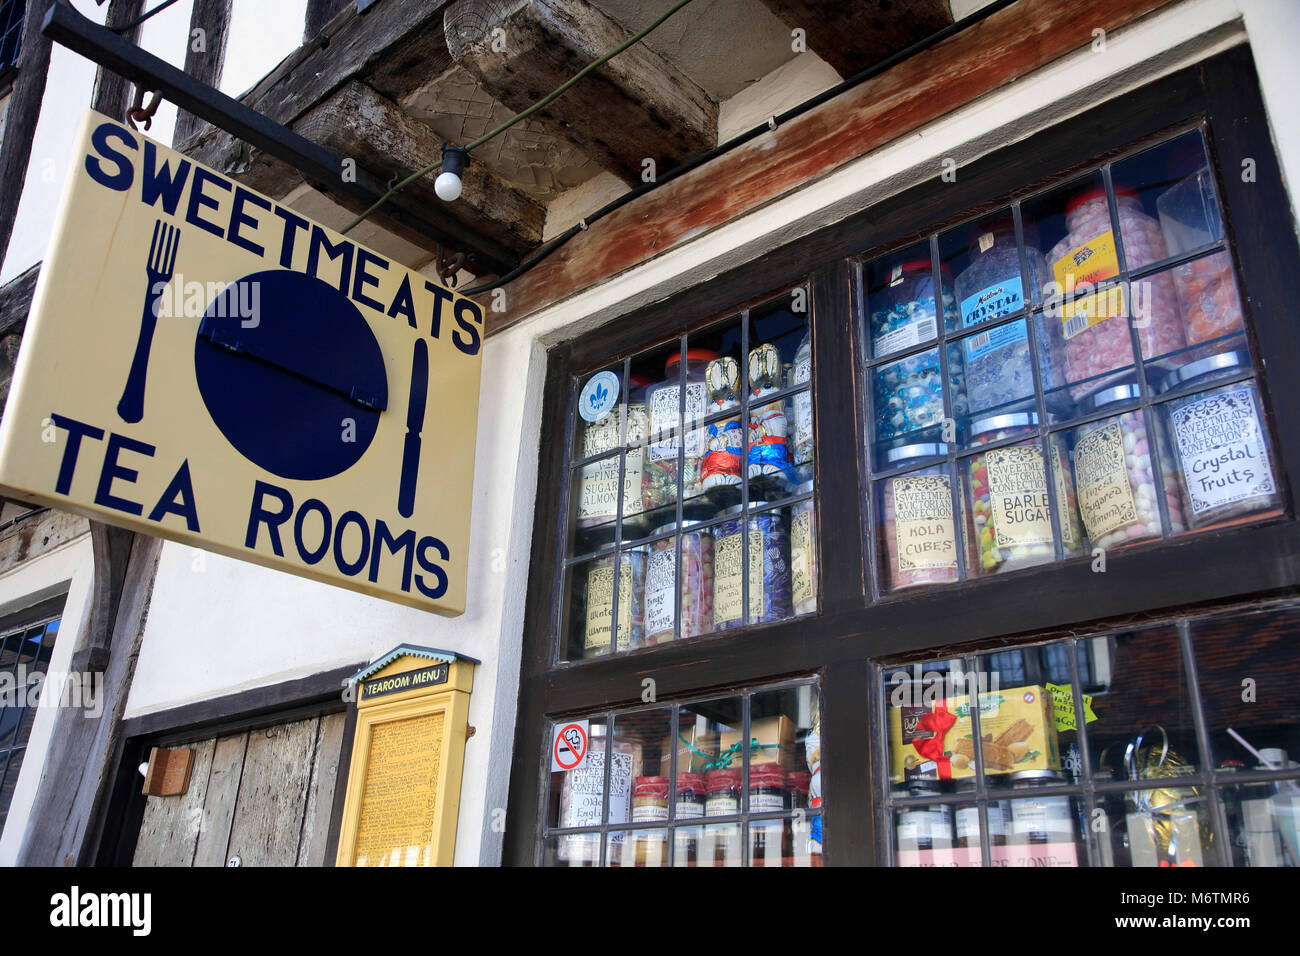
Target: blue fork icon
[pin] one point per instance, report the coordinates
(158, 267)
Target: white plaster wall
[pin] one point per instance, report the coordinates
(68, 569)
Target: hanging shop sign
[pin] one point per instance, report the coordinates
(403, 785)
(206, 365)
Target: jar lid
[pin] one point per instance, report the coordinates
(717, 780)
(1097, 192)
(1111, 394)
(1202, 367)
(921, 450)
(799, 780)
(736, 509)
(1035, 776)
(998, 422)
(692, 355)
(687, 525)
(1232, 765)
(917, 265)
(650, 787)
(767, 775)
(690, 781)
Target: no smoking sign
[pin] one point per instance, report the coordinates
(569, 745)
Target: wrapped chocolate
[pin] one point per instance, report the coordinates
(768, 454)
(721, 464)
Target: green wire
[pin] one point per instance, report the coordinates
(540, 104)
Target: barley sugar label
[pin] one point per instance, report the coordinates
(665, 409)
(727, 599)
(1101, 481)
(1018, 496)
(1222, 450)
(801, 545)
(1068, 536)
(659, 575)
(600, 607)
(923, 525)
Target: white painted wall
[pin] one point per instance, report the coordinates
(69, 570)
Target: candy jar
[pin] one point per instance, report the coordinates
(909, 395)
(1096, 328)
(916, 521)
(721, 464)
(801, 445)
(999, 366)
(697, 584)
(600, 603)
(768, 455)
(769, 569)
(598, 481)
(659, 473)
(803, 552)
(1115, 478)
(1010, 509)
(1222, 446)
(903, 312)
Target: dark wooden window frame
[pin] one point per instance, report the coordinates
(850, 638)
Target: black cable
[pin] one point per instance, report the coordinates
(143, 17)
(813, 102)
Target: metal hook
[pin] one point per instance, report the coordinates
(139, 112)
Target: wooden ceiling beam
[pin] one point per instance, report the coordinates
(637, 106)
(853, 36)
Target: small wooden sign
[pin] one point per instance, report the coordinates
(403, 788)
(169, 772)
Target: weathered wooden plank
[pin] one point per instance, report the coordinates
(38, 534)
(320, 794)
(112, 92)
(319, 15)
(996, 51)
(78, 767)
(205, 55)
(637, 106)
(169, 832)
(16, 300)
(20, 117)
(853, 36)
(219, 801)
(361, 124)
(273, 795)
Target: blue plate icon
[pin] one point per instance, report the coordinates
(291, 374)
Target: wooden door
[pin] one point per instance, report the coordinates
(264, 796)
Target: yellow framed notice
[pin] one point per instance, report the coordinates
(403, 788)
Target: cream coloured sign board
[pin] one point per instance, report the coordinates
(205, 365)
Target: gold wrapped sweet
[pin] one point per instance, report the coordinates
(1165, 826)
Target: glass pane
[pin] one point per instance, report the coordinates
(768, 581)
(900, 300)
(996, 368)
(1222, 455)
(985, 258)
(916, 535)
(1264, 820)
(1248, 670)
(1137, 706)
(908, 397)
(715, 369)
(784, 843)
(1210, 305)
(720, 844)
(1161, 827)
(665, 398)
(1115, 478)
(592, 605)
(637, 848)
(803, 553)
(1167, 200)
(924, 835)
(1008, 502)
(1159, 324)
(1044, 831)
(696, 591)
(572, 849)
(594, 505)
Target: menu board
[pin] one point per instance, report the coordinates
(399, 804)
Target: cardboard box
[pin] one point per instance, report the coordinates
(1018, 727)
(695, 748)
(775, 736)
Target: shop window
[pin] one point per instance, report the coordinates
(679, 785)
(1070, 372)
(1149, 767)
(24, 660)
(692, 461)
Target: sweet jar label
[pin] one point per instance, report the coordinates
(600, 607)
(923, 528)
(727, 597)
(665, 408)
(982, 344)
(1222, 450)
(1093, 261)
(650, 814)
(993, 301)
(801, 556)
(1021, 512)
(598, 497)
(763, 802)
(1101, 481)
(1068, 536)
(659, 575)
(920, 329)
